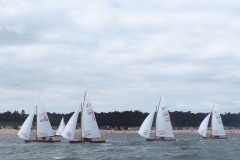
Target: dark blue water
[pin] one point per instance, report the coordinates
(124, 146)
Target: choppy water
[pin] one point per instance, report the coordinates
(124, 146)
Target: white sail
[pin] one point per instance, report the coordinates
(145, 129)
(69, 130)
(163, 122)
(89, 123)
(217, 125)
(203, 126)
(60, 127)
(25, 130)
(44, 128)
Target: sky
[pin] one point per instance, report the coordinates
(126, 54)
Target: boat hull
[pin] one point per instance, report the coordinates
(84, 141)
(42, 141)
(158, 139)
(78, 141)
(97, 141)
(215, 138)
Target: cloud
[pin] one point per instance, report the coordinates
(19, 28)
(126, 54)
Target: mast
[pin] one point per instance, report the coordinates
(212, 120)
(80, 119)
(82, 111)
(37, 114)
(36, 122)
(156, 123)
(159, 101)
(157, 108)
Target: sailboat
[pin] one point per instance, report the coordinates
(44, 128)
(163, 126)
(89, 127)
(60, 128)
(217, 129)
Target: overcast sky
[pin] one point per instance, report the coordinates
(125, 53)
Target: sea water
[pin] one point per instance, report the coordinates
(123, 146)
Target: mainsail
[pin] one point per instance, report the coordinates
(217, 125)
(89, 123)
(146, 126)
(69, 130)
(203, 126)
(44, 128)
(60, 127)
(163, 122)
(25, 130)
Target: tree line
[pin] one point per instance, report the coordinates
(125, 118)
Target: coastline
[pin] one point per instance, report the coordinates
(15, 132)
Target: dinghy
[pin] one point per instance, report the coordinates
(217, 129)
(43, 129)
(89, 127)
(163, 126)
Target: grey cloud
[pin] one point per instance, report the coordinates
(125, 53)
(19, 28)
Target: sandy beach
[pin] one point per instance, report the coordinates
(14, 131)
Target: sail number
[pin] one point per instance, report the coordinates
(44, 119)
(88, 105)
(93, 118)
(167, 119)
(166, 116)
(41, 114)
(165, 113)
(164, 108)
(90, 111)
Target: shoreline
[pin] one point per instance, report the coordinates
(15, 132)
